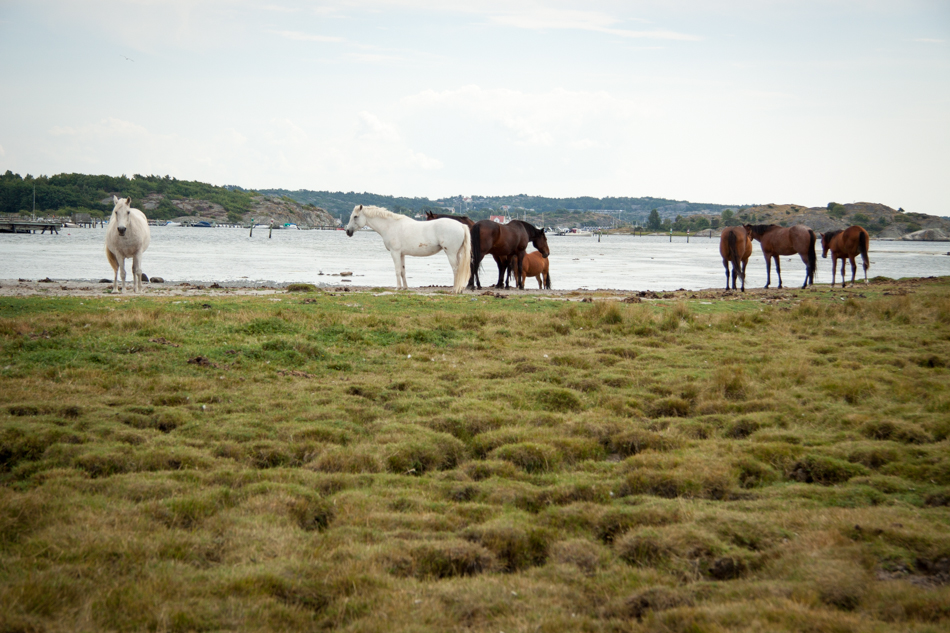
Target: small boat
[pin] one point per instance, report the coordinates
(575, 233)
(203, 224)
(172, 223)
(290, 225)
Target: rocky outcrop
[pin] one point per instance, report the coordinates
(264, 210)
(880, 220)
(280, 211)
(927, 235)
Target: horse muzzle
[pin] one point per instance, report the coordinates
(349, 232)
(121, 230)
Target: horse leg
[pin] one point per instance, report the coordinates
(778, 269)
(725, 263)
(402, 270)
(742, 273)
(844, 268)
(808, 271)
(854, 271)
(122, 272)
(397, 264)
(521, 274)
(502, 269)
(137, 273)
(768, 271)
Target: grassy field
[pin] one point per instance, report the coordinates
(406, 462)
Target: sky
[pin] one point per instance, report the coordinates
(729, 102)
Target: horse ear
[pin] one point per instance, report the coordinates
(115, 199)
(361, 207)
(128, 201)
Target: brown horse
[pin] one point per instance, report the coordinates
(846, 244)
(776, 240)
(735, 246)
(535, 265)
(502, 241)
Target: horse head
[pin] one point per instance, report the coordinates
(357, 220)
(120, 212)
(826, 242)
(540, 241)
(430, 215)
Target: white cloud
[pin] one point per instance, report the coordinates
(306, 37)
(546, 18)
(373, 129)
(424, 162)
(542, 119)
(929, 40)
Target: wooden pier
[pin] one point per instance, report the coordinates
(29, 226)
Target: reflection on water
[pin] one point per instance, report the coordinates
(617, 262)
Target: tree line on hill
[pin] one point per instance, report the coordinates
(623, 210)
(67, 194)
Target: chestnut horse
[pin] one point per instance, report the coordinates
(535, 265)
(735, 246)
(845, 245)
(776, 240)
(502, 241)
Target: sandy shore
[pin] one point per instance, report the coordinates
(70, 288)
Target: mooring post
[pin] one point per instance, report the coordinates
(671, 235)
(687, 236)
(271, 231)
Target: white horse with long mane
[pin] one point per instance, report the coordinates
(404, 236)
(127, 236)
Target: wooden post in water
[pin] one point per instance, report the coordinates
(251, 234)
(687, 236)
(270, 233)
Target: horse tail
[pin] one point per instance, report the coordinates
(734, 254)
(863, 245)
(812, 257)
(463, 268)
(477, 254)
(112, 260)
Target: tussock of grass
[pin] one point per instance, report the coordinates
(409, 462)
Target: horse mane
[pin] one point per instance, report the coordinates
(831, 234)
(379, 212)
(764, 228)
(532, 230)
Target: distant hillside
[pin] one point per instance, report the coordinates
(560, 211)
(166, 198)
(161, 198)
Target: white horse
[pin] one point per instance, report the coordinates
(127, 236)
(404, 236)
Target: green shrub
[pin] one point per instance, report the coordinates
(825, 470)
(558, 400)
(529, 456)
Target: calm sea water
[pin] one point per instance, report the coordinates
(230, 256)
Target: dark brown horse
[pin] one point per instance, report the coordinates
(844, 245)
(776, 240)
(464, 219)
(735, 246)
(504, 241)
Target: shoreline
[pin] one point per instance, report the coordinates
(85, 288)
